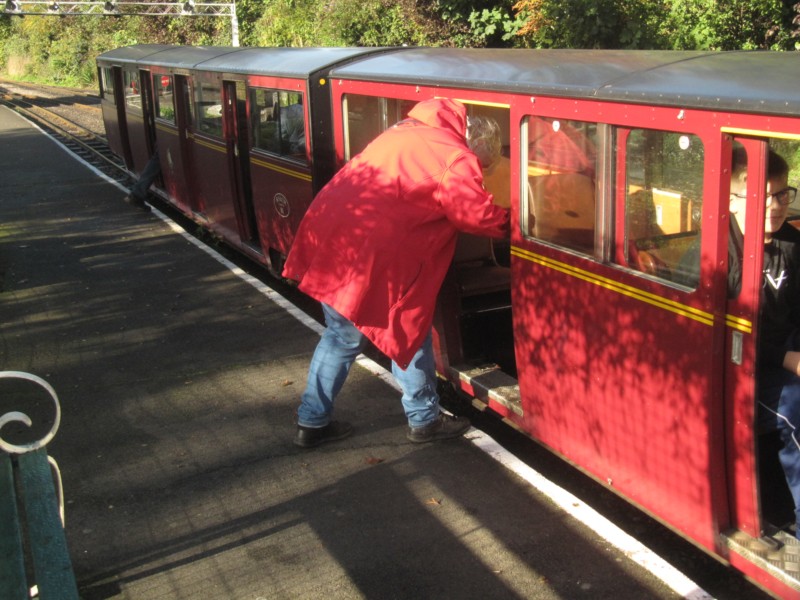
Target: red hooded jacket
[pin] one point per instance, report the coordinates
(378, 239)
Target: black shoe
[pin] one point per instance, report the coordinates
(309, 437)
(137, 202)
(444, 427)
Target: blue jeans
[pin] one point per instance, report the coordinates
(779, 408)
(338, 348)
(151, 170)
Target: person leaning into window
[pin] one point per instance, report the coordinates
(374, 248)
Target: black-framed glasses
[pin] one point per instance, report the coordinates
(784, 197)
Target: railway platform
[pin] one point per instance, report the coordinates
(178, 380)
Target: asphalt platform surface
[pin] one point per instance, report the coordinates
(178, 382)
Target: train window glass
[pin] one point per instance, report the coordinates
(366, 117)
(107, 83)
(165, 107)
(789, 149)
(185, 88)
(209, 109)
(663, 204)
(266, 135)
(280, 123)
(561, 157)
(133, 97)
(292, 124)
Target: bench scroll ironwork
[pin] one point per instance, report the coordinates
(34, 558)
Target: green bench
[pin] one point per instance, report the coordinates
(34, 559)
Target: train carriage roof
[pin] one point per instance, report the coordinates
(758, 81)
(130, 54)
(286, 62)
(278, 62)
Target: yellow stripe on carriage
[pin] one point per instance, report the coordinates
(615, 286)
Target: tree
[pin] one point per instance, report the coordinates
(678, 24)
(591, 23)
(734, 24)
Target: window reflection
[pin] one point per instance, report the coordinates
(133, 97)
(165, 109)
(369, 116)
(562, 168)
(107, 83)
(209, 107)
(280, 124)
(663, 204)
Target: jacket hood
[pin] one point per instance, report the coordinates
(442, 113)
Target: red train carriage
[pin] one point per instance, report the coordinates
(629, 363)
(124, 104)
(593, 329)
(244, 134)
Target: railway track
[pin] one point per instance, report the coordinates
(74, 118)
(80, 138)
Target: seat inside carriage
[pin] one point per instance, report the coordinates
(661, 229)
(563, 209)
(477, 269)
(481, 305)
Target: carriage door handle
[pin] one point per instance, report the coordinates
(736, 348)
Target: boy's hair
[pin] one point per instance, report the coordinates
(776, 165)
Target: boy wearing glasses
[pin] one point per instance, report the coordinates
(778, 367)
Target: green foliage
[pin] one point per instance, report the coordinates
(591, 23)
(479, 24)
(69, 58)
(286, 23)
(62, 50)
(494, 26)
(248, 13)
(733, 24)
(371, 23)
(343, 23)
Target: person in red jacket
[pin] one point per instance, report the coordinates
(374, 248)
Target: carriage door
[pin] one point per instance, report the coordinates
(148, 111)
(760, 500)
(614, 344)
(280, 167)
(122, 119)
(181, 161)
(236, 140)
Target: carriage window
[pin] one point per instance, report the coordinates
(107, 83)
(165, 109)
(185, 87)
(663, 204)
(366, 117)
(789, 149)
(132, 96)
(209, 109)
(280, 126)
(562, 164)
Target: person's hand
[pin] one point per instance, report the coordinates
(791, 362)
